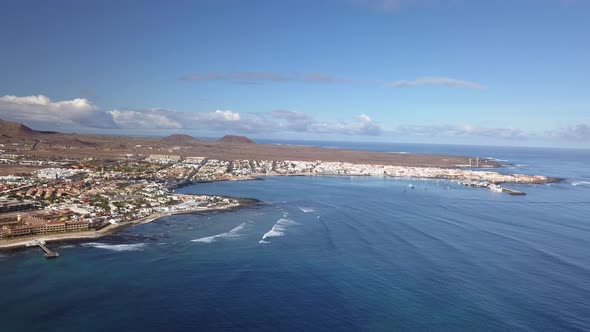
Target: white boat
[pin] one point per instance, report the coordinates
(495, 187)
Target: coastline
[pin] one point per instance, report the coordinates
(477, 178)
(23, 243)
(261, 176)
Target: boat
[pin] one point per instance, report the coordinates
(495, 188)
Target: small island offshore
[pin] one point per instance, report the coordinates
(57, 187)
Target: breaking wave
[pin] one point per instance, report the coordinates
(306, 209)
(278, 229)
(117, 247)
(230, 234)
(496, 159)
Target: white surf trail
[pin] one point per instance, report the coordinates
(278, 229)
(306, 209)
(227, 235)
(116, 247)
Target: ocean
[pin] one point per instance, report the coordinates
(332, 254)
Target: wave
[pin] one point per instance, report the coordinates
(117, 247)
(496, 159)
(400, 152)
(67, 246)
(230, 234)
(306, 209)
(278, 229)
(580, 183)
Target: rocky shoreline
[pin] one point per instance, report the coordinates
(82, 237)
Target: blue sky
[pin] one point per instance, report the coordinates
(456, 71)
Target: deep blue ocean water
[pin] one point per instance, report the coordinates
(340, 253)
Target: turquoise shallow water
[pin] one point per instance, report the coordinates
(340, 253)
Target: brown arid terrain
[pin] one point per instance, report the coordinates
(16, 138)
(235, 139)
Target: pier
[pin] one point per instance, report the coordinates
(48, 253)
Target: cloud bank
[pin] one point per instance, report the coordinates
(579, 132)
(42, 109)
(263, 77)
(461, 130)
(81, 114)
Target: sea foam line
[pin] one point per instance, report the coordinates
(230, 234)
(497, 159)
(278, 229)
(116, 247)
(306, 209)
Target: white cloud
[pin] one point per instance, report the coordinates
(24, 103)
(228, 115)
(460, 130)
(256, 78)
(42, 109)
(366, 126)
(436, 81)
(145, 119)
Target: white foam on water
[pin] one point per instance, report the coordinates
(306, 209)
(580, 183)
(230, 234)
(496, 159)
(66, 246)
(278, 229)
(116, 247)
(400, 152)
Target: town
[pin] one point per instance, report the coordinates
(93, 196)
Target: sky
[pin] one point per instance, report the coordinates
(490, 72)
